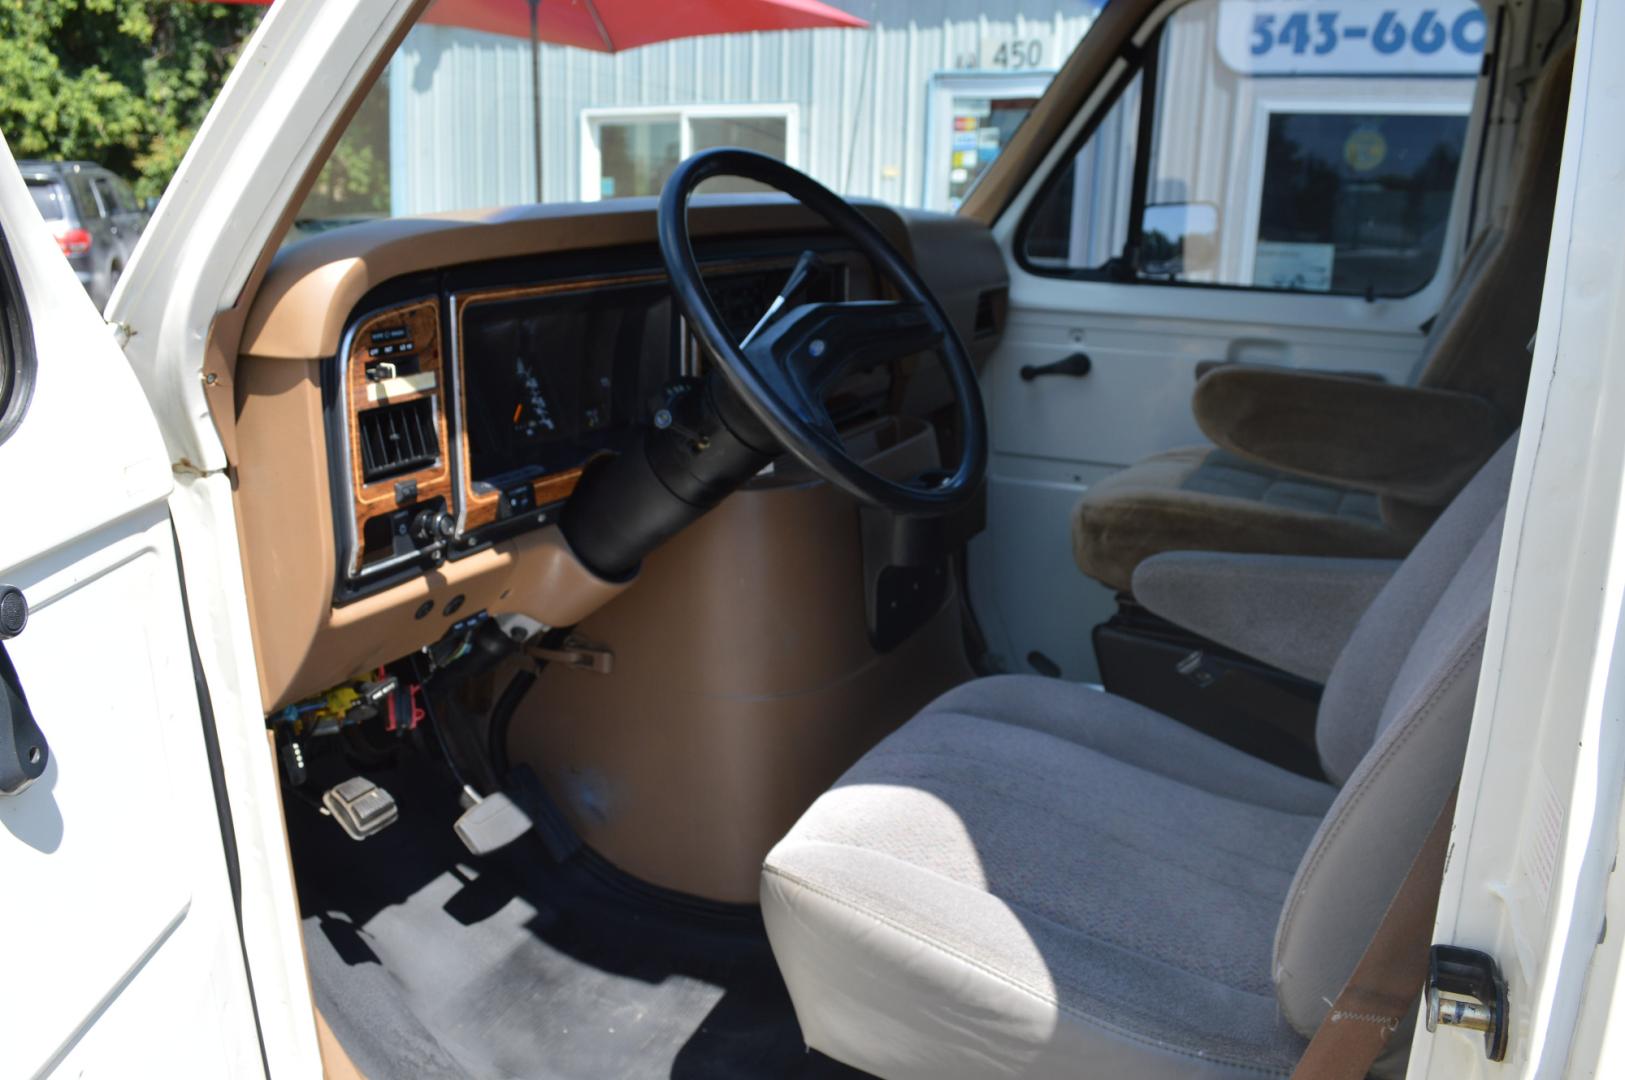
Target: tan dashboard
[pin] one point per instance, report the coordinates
(394, 474)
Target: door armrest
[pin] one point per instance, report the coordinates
(1293, 611)
(1410, 443)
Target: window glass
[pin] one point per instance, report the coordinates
(124, 196)
(84, 199)
(49, 198)
(901, 101)
(1354, 202)
(636, 155)
(1302, 147)
(765, 134)
(105, 198)
(1082, 222)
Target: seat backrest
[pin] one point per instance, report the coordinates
(1479, 340)
(1392, 732)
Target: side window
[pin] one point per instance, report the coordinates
(124, 196)
(84, 199)
(106, 195)
(1283, 145)
(1081, 222)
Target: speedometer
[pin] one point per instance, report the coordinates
(532, 415)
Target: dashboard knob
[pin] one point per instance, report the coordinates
(433, 524)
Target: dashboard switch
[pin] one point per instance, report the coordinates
(517, 500)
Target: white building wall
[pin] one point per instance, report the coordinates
(461, 121)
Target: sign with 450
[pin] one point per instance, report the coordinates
(1384, 37)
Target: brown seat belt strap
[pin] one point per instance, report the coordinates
(1387, 982)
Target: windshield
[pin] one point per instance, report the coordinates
(49, 198)
(904, 101)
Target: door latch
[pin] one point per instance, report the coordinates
(1077, 366)
(23, 750)
(1465, 990)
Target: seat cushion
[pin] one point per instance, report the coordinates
(1033, 877)
(1199, 498)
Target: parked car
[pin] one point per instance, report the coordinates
(94, 216)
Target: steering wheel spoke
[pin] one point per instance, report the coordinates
(805, 352)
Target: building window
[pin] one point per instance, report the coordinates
(1355, 203)
(627, 152)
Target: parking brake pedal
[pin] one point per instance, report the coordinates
(361, 807)
(492, 822)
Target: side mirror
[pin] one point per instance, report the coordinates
(1178, 238)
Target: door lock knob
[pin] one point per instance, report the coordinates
(13, 612)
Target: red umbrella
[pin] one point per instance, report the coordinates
(613, 25)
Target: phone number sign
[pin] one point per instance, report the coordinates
(1384, 37)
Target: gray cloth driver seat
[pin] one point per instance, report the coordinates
(1037, 878)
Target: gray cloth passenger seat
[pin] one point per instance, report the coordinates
(1035, 878)
(1208, 499)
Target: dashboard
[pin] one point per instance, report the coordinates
(469, 412)
(415, 400)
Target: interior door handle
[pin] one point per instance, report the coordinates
(24, 752)
(1077, 365)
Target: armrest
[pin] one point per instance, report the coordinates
(1205, 366)
(1293, 611)
(1418, 445)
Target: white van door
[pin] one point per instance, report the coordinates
(1301, 199)
(124, 956)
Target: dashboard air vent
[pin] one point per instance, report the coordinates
(990, 307)
(397, 439)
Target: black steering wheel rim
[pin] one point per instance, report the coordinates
(793, 429)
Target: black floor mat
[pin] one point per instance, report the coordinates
(429, 962)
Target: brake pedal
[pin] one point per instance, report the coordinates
(361, 807)
(492, 822)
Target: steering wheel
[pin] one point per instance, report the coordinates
(784, 369)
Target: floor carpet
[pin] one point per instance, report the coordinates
(429, 962)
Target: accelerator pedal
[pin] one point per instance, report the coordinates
(492, 822)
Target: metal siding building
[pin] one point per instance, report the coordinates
(462, 123)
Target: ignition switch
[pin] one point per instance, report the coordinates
(432, 524)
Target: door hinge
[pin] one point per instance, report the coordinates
(1465, 990)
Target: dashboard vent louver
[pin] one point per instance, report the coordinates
(397, 439)
(990, 308)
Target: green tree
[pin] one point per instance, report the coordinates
(121, 82)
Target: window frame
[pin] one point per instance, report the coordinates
(1134, 67)
(1145, 61)
(592, 119)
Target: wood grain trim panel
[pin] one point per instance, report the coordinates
(421, 320)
